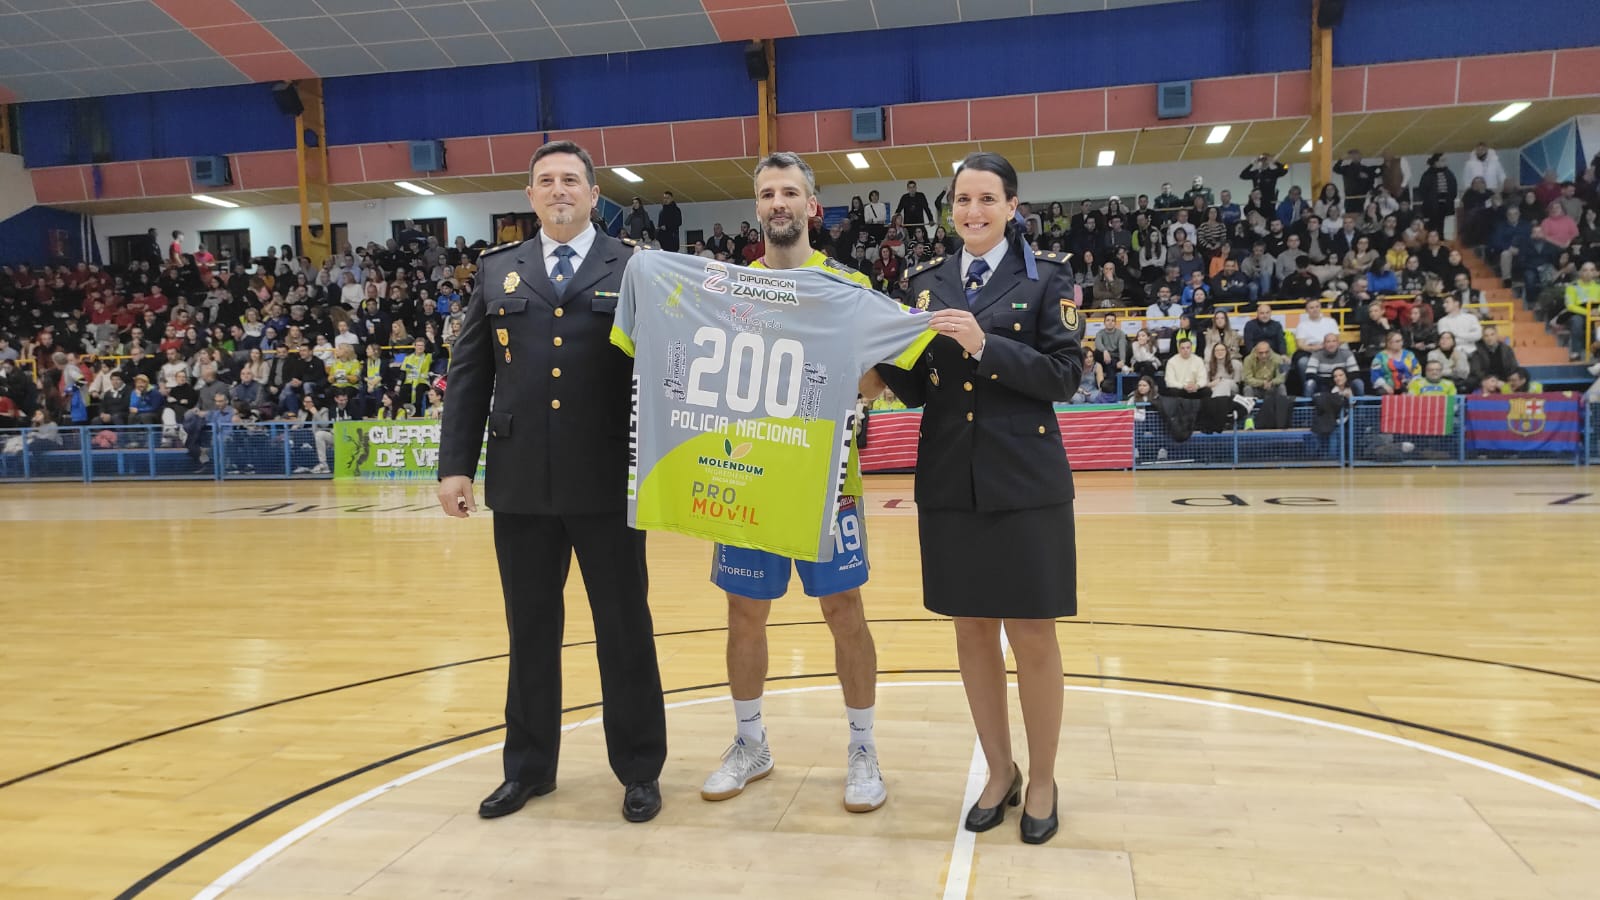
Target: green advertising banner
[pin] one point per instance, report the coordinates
(387, 451)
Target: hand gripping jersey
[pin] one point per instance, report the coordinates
(744, 389)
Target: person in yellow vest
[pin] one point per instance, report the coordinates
(415, 375)
(344, 376)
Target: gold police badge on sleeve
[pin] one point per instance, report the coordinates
(1069, 314)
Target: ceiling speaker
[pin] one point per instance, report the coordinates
(755, 61)
(287, 98)
(1330, 14)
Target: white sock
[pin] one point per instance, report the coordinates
(750, 725)
(860, 727)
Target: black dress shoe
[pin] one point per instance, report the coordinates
(641, 801)
(511, 796)
(983, 819)
(1037, 831)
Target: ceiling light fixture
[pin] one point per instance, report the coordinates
(627, 175)
(955, 167)
(1510, 112)
(1307, 147)
(1218, 134)
(415, 189)
(857, 160)
(225, 204)
(1108, 157)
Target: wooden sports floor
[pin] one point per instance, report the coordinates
(1308, 684)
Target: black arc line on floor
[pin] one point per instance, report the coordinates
(189, 855)
(478, 659)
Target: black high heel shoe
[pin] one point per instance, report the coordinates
(982, 819)
(1037, 831)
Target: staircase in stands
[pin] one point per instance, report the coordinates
(1534, 345)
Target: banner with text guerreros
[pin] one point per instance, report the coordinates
(388, 450)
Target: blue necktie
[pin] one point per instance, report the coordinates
(975, 273)
(562, 273)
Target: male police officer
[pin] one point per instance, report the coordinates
(535, 360)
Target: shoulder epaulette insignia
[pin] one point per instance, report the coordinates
(497, 248)
(634, 244)
(1052, 255)
(925, 266)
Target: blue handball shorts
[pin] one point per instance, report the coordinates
(760, 575)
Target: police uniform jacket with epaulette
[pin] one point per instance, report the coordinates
(990, 441)
(541, 370)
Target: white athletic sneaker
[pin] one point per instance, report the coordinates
(864, 790)
(743, 763)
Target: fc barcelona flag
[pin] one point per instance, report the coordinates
(1550, 422)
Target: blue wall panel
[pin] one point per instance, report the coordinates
(1137, 45)
(429, 105)
(1382, 31)
(197, 122)
(676, 85)
(25, 237)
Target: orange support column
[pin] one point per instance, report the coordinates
(311, 156)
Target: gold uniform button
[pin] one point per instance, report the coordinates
(1041, 429)
(557, 342)
(967, 386)
(555, 404)
(555, 373)
(965, 355)
(995, 377)
(502, 310)
(1016, 326)
(560, 312)
(969, 417)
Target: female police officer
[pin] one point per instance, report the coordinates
(993, 487)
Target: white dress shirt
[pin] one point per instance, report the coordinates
(580, 247)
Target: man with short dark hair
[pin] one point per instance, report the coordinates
(913, 207)
(534, 362)
(668, 222)
(1359, 179)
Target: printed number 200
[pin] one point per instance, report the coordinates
(749, 363)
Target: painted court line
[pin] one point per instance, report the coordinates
(241, 871)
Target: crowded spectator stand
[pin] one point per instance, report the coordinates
(1202, 310)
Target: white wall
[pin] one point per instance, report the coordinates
(469, 214)
(16, 186)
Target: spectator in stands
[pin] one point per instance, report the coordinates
(1455, 363)
(1144, 391)
(1484, 163)
(1420, 333)
(1509, 241)
(886, 269)
(668, 222)
(145, 402)
(1186, 374)
(1263, 174)
(1108, 287)
(1309, 332)
(1223, 371)
(1329, 357)
(1476, 218)
(1394, 367)
(638, 225)
(1493, 357)
(1153, 255)
(1471, 300)
(1144, 358)
(1222, 333)
(913, 208)
(1302, 284)
(1432, 381)
(1438, 190)
(1265, 328)
(1359, 179)
(116, 401)
(1582, 303)
(1560, 228)
(1165, 310)
(1264, 371)
(1258, 269)
(1294, 208)
(1181, 233)
(1467, 328)
(1112, 349)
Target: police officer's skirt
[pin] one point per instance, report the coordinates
(1018, 564)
